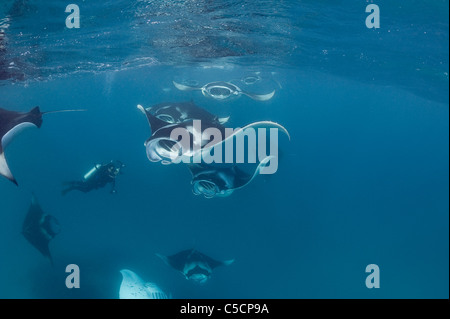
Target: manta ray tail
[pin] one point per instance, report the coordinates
(4, 169)
(64, 111)
(164, 258)
(260, 97)
(183, 87)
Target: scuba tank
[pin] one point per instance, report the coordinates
(89, 174)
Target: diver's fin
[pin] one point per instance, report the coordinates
(4, 169)
(260, 97)
(183, 87)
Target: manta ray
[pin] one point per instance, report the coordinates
(211, 181)
(163, 147)
(12, 123)
(194, 265)
(221, 90)
(40, 228)
(133, 287)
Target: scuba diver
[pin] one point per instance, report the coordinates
(97, 177)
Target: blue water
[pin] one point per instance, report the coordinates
(363, 180)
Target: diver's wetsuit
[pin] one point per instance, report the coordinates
(103, 174)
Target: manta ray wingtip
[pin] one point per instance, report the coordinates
(223, 120)
(228, 262)
(4, 169)
(183, 87)
(141, 108)
(285, 131)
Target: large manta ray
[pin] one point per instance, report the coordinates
(11, 123)
(193, 264)
(161, 146)
(221, 181)
(221, 90)
(40, 228)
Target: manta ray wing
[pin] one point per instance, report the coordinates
(215, 263)
(247, 179)
(195, 169)
(132, 286)
(4, 168)
(256, 125)
(260, 97)
(176, 261)
(154, 122)
(183, 87)
(11, 124)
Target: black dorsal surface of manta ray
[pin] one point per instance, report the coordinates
(221, 90)
(178, 112)
(11, 124)
(194, 265)
(162, 147)
(221, 181)
(40, 228)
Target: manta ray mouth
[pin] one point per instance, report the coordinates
(220, 92)
(167, 145)
(198, 278)
(165, 150)
(199, 274)
(206, 188)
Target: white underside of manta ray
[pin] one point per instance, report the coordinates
(221, 90)
(133, 287)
